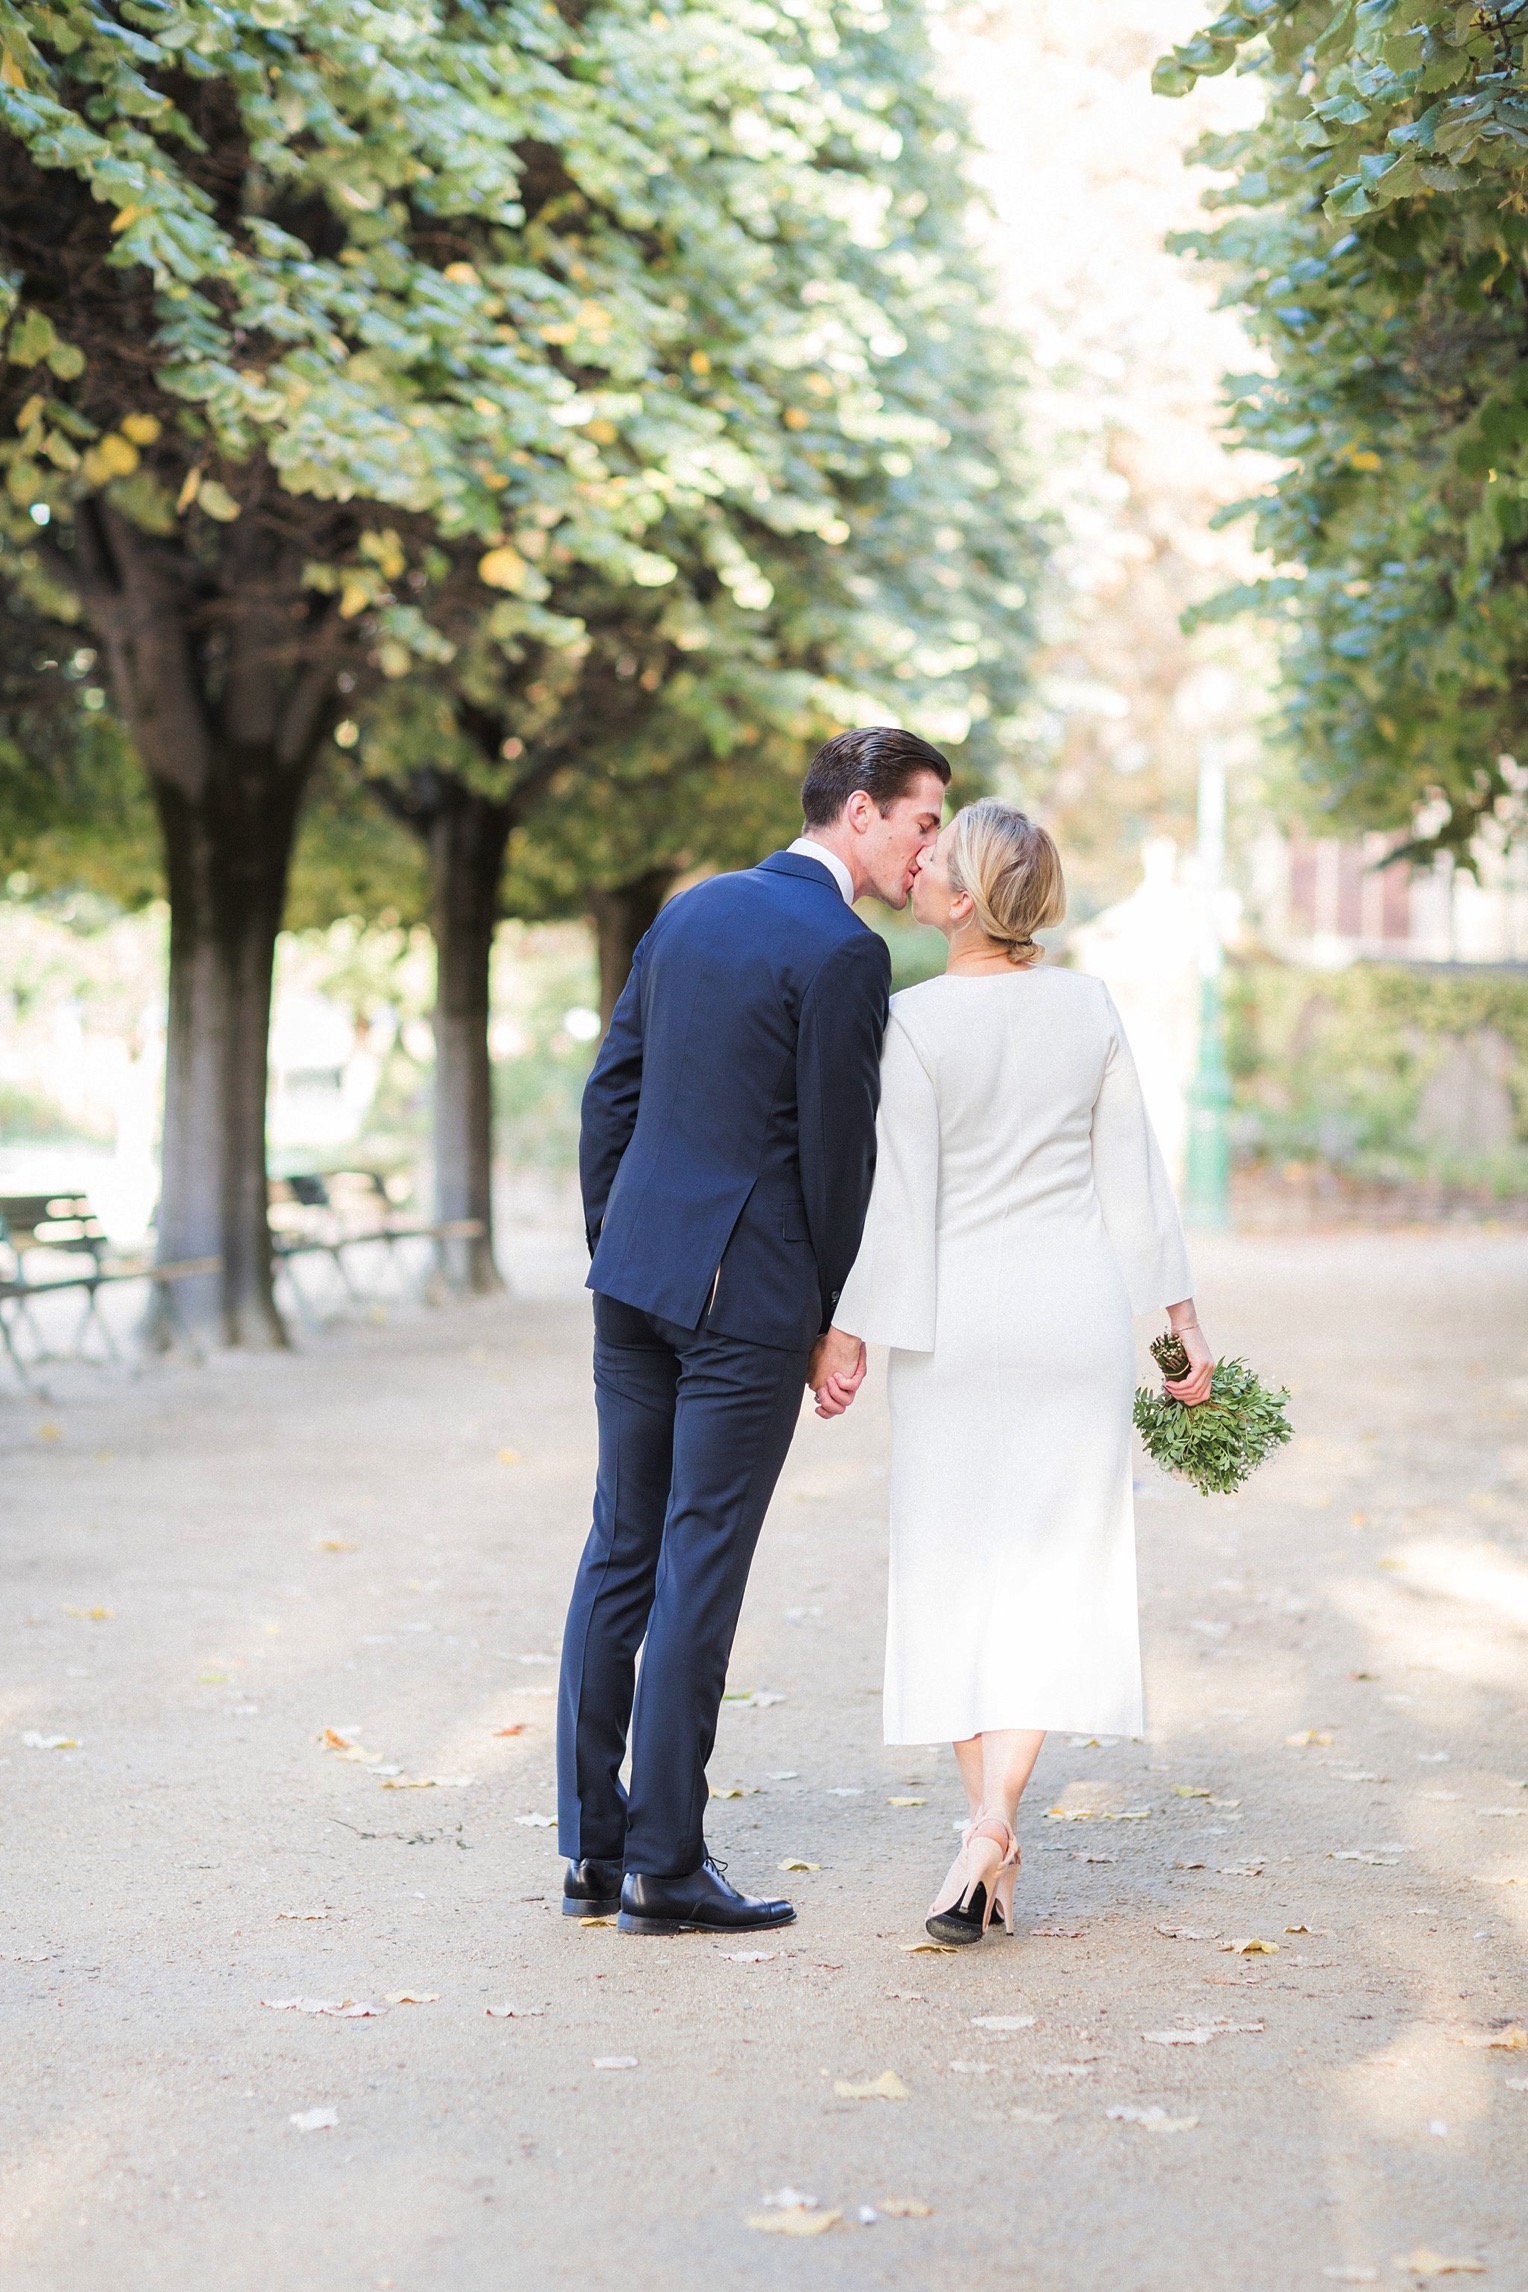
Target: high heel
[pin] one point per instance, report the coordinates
(1002, 1888)
(954, 1884)
(980, 1876)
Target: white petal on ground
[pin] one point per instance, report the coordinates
(1152, 2120)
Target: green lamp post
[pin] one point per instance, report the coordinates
(1207, 1175)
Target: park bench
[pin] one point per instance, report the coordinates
(64, 1224)
(331, 1213)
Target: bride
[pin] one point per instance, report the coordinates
(1021, 1214)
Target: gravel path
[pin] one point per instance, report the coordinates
(376, 1538)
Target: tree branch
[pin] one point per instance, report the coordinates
(138, 614)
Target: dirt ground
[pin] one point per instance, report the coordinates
(206, 1569)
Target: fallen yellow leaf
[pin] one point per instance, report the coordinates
(1307, 1739)
(337, 1544)
(413, 1997)
(798, 2221)
(1190, 1791)
(1251, 1947)
(1513, 2040)
(90, 1615)
(346, 1747)
(907, 1802)
(794, 1862)
(1425, 2262)
(887, 2087)
(930, 1949)
(904, 2208)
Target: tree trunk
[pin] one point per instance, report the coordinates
(227, 685)
(227, 855)
(467, 836)
(621, 916)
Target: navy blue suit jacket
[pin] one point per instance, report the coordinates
(728, 1137)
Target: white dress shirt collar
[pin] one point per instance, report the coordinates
(808, 849)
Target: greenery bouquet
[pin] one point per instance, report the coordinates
(1221, 1442)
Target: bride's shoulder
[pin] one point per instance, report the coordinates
(1082, 985)
(918, 1007)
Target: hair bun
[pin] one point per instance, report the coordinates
(1012, 871)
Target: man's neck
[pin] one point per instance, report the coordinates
(840, 843)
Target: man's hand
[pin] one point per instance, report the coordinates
(836, 1371)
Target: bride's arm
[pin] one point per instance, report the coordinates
(889, 1296)
(1139, 1212)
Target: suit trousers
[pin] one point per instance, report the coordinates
(693, 1431)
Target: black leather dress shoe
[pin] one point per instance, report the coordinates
(591, 1889)
(701, 1903)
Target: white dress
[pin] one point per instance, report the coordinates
(1021, 1212)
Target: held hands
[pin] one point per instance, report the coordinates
(1195, 1387)
(836, 1371)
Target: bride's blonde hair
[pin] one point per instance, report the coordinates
(1012, 871)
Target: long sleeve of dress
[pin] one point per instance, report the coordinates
(890, 1296)
(1131, 1183)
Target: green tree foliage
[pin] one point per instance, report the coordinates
(859, 543)
(353, 861)
(854, 543)
(326, 323)
(1376, 241)
(74, 812)
(1389, 1073)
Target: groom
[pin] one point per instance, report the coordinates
(726, 1156)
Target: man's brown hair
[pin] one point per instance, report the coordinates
(879, 758)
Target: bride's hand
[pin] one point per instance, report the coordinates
(1195, 1387)
(836, 1371)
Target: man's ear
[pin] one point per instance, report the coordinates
(859, 809)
